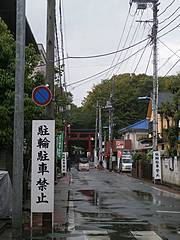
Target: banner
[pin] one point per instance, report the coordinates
(42, 175)
(156, 165)
(59, 145)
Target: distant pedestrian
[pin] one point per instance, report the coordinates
(68, 164)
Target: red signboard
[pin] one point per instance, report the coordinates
(119, 154)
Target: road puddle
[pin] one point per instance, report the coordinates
(91, 195)
(144, 195)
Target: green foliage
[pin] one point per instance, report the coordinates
(63, 106)
(127, 108)
(7, 87)
(139, 156)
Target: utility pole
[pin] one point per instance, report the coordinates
(100, 135)
(142, 5)
(50, 55)
(50, 41)
(62, 43)
(110, 136)
(96, 136)
(109, 107)
(18, 145)
(155, 76)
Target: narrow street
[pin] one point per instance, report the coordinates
(107, 205)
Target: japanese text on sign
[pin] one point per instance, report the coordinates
(42, 182)
(156, 165)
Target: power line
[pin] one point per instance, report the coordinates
(127, 37)
(62, 42)
(172, 29)
(169, 48)
(168, 60)
(147, 67)
(58, 53)
(100, 73)
(119, 42)
(169, 16)
(169, 23)
(133, 38)
(99, 55)
(172, 67)
(140, 59)
(134, 61)
(111, 53)
(166, 8)
(107, 54)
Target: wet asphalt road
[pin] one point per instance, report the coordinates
(114, 206)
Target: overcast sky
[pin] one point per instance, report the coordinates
(96, 26)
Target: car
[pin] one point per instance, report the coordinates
(83, 164)
(126, 164)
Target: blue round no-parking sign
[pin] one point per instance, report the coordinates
(42, 95)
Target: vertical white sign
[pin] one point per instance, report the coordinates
(42, 176)
(64, 163)
(156, 165)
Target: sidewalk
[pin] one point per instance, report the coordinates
(61, 196)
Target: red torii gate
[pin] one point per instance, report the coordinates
(80, 135)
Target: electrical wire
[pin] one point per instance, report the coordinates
(136, 32)
(102, 72)
(134, 61)
(169, 16)
(119, 42)
(111, 53)
(65, 40)
(107, 54)
(140, 59)
(169, 48)
(58, 53)
(127, 37)
(172, 67)
(169, 23)
(147, 67)
(169, 58)
(166, 8)
(172, 29)
(62, 43)
(133, 39)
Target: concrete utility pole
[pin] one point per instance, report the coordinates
(50, 55)
(100, 135)
(50, 114)
(96, 136)
(155, 76)
(142, 4)
(109, 107)
(18, 145)
(62, 44)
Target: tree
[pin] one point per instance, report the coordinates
(7, 87)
